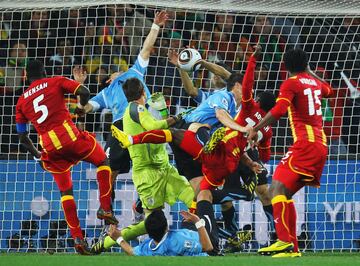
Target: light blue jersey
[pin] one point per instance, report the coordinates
(204, 94)
(113, 97)
(206, 112)
(182, 242)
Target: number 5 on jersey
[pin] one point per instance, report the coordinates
(40, 108)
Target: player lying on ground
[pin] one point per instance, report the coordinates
(300, 96)
(63, 145)
(165, 242)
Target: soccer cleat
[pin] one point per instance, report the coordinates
(278, 247)
(215, 138)
(121, 136)
(107, 216)
(287, 255)
(235, 243)
(98, 247)
(81, 246)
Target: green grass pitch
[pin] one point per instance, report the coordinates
(316, 259)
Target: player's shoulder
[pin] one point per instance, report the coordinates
(134, 111)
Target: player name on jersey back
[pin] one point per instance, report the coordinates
(306, 81)
(35, 89)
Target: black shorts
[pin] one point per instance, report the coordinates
(245, 172)
(119, 157)
(185, 164)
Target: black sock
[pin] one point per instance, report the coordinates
(230, 220)
(204, 210)
(269, 214)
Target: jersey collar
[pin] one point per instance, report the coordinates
(151, 243)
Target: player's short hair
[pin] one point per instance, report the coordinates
(235, 77)
(296, 60)
(266, 100)
(222, 64)
(35, 70)
(156, 225)
(133, 89)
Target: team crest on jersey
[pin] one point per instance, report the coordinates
(224, 102)
(187, 244)
(140, 108)
(150, 201)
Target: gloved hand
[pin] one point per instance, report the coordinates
(157, 102)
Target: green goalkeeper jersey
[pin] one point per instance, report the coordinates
(137, 119)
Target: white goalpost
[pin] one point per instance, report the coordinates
(105, 37)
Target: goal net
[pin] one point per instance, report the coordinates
(105, 37)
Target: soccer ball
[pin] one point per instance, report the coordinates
(189, 59)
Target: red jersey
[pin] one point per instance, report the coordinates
(43, 105)
(301, 95)
(251, 113)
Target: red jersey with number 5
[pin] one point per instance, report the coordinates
(302, 95)
(43, 105)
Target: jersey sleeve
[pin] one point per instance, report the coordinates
(219, 101)
(326, 90)
(201, 96)
(286, 95)
(20, 117)
(69, 85)
(99, 101)
(139, 68)
(248, 81)
(141, 115)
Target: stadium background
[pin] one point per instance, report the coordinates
(106, 38)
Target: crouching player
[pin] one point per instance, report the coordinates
(165, 242)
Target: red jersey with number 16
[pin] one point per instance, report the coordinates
(43, 105)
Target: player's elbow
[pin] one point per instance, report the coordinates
(208, 248)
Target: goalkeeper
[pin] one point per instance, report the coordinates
(155, 179)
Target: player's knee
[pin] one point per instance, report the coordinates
(226, 205)
(194, 127)
(278, 188)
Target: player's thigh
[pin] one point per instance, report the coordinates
(119, 158)
(150, 183)
(176, 185)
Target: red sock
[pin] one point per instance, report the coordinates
(281, 217)
(292, 224)
(103, 175)
(72, 220)
(153, 136)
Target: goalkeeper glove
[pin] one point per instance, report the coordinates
(157, 102)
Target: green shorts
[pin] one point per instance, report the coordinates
(156, 186)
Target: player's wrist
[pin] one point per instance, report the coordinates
(119, 240)
(199, 224)
(155, 26)
(80, 106)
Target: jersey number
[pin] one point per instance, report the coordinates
(313, 99)
(40, 108)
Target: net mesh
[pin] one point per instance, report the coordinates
(106, 38)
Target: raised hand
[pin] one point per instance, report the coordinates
(161, 18)
(257, 51)
(189, 217)
(173, 57)
(80, 74)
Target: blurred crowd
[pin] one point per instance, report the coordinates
(107, 39)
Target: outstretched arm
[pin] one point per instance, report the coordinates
(248, 81)
(227, 120)
(159, 20)
(216, 69)
(115, 234)
(190, 89)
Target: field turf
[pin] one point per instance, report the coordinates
(316, 259)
